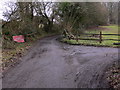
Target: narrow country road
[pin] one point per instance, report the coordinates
(52, 64)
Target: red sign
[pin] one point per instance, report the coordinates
(19, 38)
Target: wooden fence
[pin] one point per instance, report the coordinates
(99, 37)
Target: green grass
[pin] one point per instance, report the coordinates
(108, 43)
(113, 29)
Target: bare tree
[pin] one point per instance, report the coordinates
(47, 11)
(112, 12)
(11, 12)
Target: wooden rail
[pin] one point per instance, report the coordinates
(99, 37)
(101, 34)
(95, 39)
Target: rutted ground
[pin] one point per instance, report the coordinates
(51, 64)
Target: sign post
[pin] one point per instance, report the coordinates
(19, 38)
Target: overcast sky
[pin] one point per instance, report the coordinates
(3, 6)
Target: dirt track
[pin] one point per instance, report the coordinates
(51, 64)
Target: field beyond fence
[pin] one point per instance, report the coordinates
(106, 36)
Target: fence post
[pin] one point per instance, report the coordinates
(77, 38)
(100, 40)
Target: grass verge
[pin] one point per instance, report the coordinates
(91, 43)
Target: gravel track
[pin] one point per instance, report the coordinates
(52, 64)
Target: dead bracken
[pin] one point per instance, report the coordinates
(113, 76)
